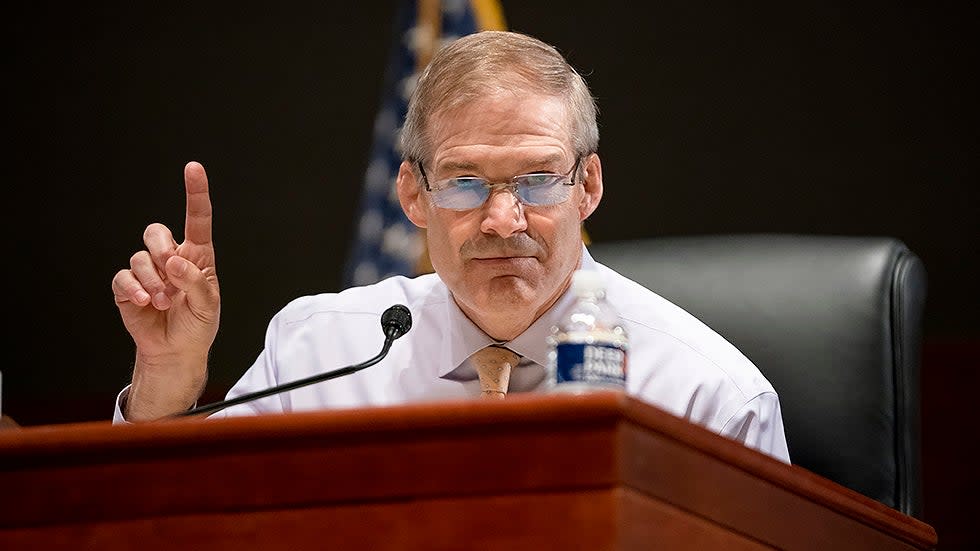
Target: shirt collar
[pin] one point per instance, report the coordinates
(465, 337)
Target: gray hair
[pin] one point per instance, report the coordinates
(471, 66)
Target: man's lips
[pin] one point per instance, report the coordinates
(489, 248)
(503, 258)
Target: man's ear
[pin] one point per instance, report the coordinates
(591, 175)
(410, 195)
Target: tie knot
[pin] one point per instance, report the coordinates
(493, 365)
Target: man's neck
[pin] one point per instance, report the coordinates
(506, 324)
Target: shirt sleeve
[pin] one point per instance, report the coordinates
(117, 415)
(759, 424)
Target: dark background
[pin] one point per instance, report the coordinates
(834, 119)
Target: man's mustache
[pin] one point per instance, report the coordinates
(489, 246)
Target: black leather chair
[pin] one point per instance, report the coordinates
(835, 324)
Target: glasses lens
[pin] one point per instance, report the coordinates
(461, 194)
(542, 189)
(536, 190)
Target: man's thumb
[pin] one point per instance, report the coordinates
(186, 276)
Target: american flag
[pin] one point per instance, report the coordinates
(386, 243)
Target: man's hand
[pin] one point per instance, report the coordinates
(170, 304)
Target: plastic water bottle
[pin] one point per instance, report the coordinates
(588, 348)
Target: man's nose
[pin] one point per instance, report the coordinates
(503, 213)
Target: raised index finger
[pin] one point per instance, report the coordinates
(197, 223)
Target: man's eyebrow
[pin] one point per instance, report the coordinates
(451, 166)
(473, 167)
(544, 161)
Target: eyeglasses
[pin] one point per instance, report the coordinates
(537, 190)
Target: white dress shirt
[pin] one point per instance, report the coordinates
(675, 362)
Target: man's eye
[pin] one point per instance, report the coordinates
(467, 183)
(539, 179)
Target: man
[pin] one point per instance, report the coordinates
(489, 106)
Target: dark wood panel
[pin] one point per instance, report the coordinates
(97, 474)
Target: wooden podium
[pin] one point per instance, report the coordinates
(593, 472)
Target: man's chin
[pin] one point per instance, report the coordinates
(511, 291)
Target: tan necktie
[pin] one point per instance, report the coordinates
(493, 364)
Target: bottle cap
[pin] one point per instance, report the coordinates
(586, 281)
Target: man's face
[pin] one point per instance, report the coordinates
(505, 262)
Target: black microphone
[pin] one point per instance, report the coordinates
(395, 322)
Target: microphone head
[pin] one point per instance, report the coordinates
(396, 321)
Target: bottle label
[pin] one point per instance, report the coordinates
(593, 364)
